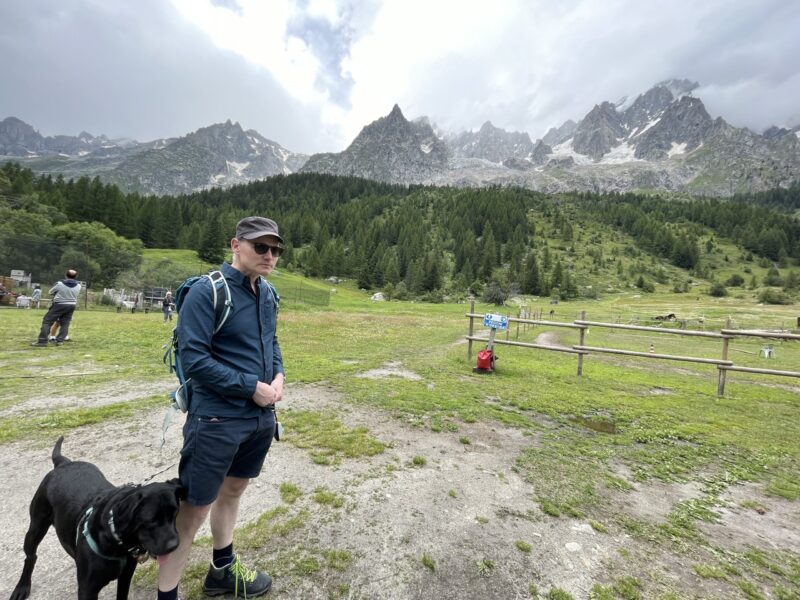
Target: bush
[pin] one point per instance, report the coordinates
(735, 280)
(494, 294)
(717, 290)
(773, 277)
(774, 296)
(401, 291)
(644, 285)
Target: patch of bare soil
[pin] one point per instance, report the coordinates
(550, 338)
(108, 394)
(465, 508)
(775, 526)
(390, 369)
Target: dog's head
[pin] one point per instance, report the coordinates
(146, 517)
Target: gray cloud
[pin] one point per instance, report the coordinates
(330, 44)
(141, 70)
(136, 70)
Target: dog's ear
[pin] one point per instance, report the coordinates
(180, 491)
(125, 509)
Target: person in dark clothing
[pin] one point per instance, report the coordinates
(167, 306)
(65, 300)
(236, 378)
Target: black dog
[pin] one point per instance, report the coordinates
(106, 529)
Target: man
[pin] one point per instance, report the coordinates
(237, 377)
(65, 300)
(166, 307)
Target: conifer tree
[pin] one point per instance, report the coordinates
(212, 243)
(531, 281)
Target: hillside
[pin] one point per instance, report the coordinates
(431, 243)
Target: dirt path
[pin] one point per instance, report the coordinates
(549, 338)
(465, 508)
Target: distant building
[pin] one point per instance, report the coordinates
(21, 278)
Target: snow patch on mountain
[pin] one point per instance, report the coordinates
(676, 149)
(625, 103)
(648, 126)
(237, 167)
(565, 150)
(624, 153)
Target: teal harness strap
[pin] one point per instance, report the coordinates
(83, 529)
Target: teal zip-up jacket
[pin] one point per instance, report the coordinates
(224, 368)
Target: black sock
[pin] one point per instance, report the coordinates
(170, 595)
(223, 556)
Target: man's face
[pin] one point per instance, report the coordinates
(251, 262)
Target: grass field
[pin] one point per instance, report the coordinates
(625, 422)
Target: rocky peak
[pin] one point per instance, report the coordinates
(540, 152)
(685, 123)
(775, 132)
(557, 135)
(599, 131)
(678, 87)
(396, 115)
(647, 107)
(17, 138)
(388, 149)
(491, 143)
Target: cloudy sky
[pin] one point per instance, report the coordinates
(310, 74)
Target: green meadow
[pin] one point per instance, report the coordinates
(627, 421)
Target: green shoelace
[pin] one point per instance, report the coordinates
(239, 571)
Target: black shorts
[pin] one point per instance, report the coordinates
(217, 447)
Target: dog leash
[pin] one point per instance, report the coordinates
(147, 479)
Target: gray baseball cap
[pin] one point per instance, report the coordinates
(251, 228)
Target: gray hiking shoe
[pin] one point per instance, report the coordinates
(236, 579)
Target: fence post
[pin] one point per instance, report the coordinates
(723, 372)
(469, 342)
(580, 343)
(519, 316)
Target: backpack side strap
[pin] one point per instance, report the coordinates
(221, 298)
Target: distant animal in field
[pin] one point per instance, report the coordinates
(669, 317)
(552, 312)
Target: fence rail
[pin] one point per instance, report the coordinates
(527, 345)
(725, 335)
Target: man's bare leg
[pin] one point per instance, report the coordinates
(225, 510)
(189, 520)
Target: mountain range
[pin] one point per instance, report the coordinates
(661, 139)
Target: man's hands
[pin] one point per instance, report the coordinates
(267, 394)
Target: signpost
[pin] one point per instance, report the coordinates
(486, 357)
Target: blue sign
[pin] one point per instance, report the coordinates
(495, 321)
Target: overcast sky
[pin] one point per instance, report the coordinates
(309, 74)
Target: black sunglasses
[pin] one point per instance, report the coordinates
(264, 248)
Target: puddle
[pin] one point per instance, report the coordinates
(601, 424)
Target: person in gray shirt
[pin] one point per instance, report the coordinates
(65, 300)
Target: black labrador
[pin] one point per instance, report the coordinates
(106, 529)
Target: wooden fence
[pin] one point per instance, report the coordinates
(725, 335)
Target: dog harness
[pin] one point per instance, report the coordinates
(83, 529)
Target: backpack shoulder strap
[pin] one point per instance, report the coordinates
(221, 298)
(274, 293)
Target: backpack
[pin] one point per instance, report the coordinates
(221, 301)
